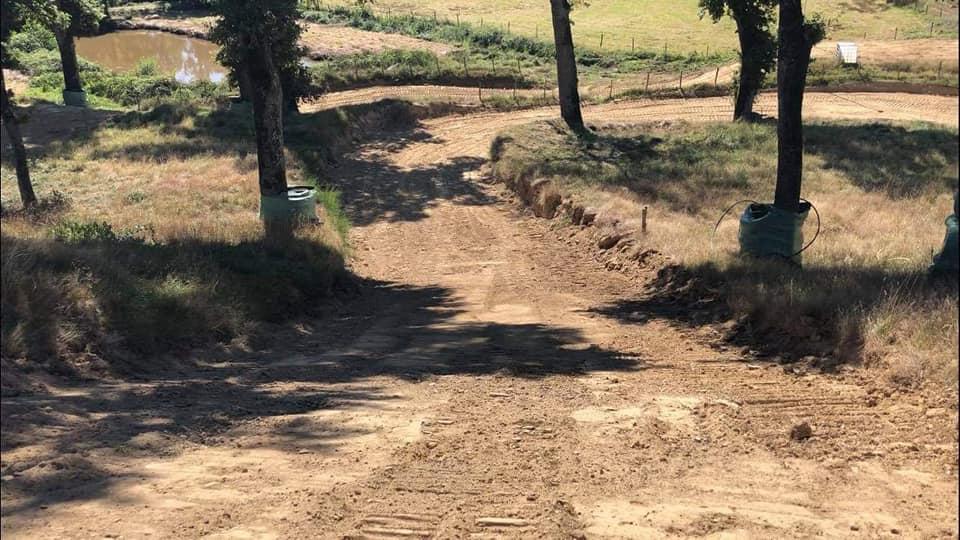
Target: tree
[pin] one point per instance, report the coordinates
(796, 39)
(754, 19)
(566, 65)
(15, 14)
(10, 123)
(82, 17)
(286, 54)
(258, 39)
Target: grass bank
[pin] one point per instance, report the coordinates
(863, 296)
(484, 48)
(148, 241)
(624, 24)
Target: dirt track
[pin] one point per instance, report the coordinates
(496, 382)
(871, 106)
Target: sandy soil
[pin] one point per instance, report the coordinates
(494, 382)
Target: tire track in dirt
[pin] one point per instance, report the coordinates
(668, 434)
(498, 383)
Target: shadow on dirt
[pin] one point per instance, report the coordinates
(393, 331)
(783, 313)
(390, 331)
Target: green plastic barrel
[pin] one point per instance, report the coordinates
(74, 99)
(297, 205)
(767, 231)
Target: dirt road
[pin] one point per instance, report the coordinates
(847, 105)
(495, 381)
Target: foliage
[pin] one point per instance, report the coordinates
(245, 25)
(73, 232)
(82, 16)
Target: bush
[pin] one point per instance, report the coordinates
(33, 37)
(73, 232)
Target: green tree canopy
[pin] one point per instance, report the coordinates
(758, 45)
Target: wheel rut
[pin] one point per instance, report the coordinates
(483, 389)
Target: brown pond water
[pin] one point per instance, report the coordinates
(187, 59)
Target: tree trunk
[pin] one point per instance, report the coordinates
(68, 58)
(267, 97)
(751, 73)
(290, 103)
(16, 142)
(244, 84)
(793, 59)
(566, 65)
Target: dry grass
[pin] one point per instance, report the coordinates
(153, 242)
(883, 191)
(676, 22)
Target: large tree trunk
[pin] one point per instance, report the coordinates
(16, 142)
(68, 58)
(751, 73)
(290, 103)
(267, 97)
(566, 65)
(244, 84)
(793, 59)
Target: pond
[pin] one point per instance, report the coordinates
(187, 59)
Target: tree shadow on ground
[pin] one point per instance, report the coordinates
(683, 166)
(783, 313)
(320, 144)
(898, 161)
(45, 126)
(340, 363)
(154, 302)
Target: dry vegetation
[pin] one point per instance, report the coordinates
(677, 22)
(863, 296)
(148, 239)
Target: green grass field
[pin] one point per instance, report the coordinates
(676, 23)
